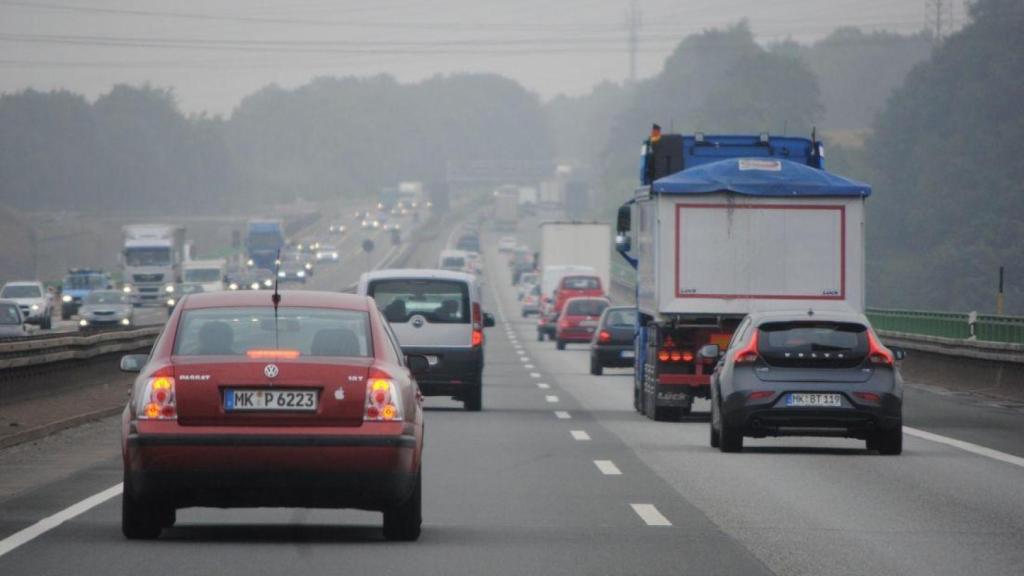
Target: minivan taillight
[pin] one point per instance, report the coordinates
(157, 400)
(383, 400)
(478, 338)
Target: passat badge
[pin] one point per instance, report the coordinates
(270, 371)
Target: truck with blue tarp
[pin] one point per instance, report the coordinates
(78, 284)
(264, 240)
(723, 226)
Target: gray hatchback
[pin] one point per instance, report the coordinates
(806, 374)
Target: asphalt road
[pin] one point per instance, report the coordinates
(558, 475)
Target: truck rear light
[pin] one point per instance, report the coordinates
(663, 355)
(604, 336)
(878, 354)
(748, 353)
(157, 401)
(383, 400)
(675, 355)
(760, 394)
(687, 356)
(478, 337)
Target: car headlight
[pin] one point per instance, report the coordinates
(233, 286)
(334, 255)
(169, 289)
(308, 266)
(255, 286)
(127, 289)
(301, 273)
(35, 307)
(282, 274)
(66, 298)
(268, 283)
(170, 302)
(249, 262)
(125, 321)
(83, 322)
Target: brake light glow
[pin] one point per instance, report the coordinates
(478, 337)
(383, 401)
(675, 355)
(604, 336)
(748, 353)
(157, 400)
(663, 355)
(262, 354)
(687, 356)
(878, 354)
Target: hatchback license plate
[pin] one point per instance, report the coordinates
(814, 400)
(628, 354)
(270, 399)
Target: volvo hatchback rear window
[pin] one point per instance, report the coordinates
(822, 344)
(437, 301)
(254, 331)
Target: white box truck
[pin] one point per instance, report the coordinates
(151, 258)
(570, 248)
(745, 224)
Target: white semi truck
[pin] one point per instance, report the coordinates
(208, 273)
(151, 258)
(723, 226)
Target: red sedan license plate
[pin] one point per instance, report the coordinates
(270, 399)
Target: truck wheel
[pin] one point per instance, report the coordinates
(403, 522)
(473, 400)
(730, 438)
(888, 442)
(595, 366)
(560, 345)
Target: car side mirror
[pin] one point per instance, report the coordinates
(488, 320)
(898, 352)
(133, 362)
(417, 364)
(710, 351)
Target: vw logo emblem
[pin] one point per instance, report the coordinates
(418, 321)
(270, 371)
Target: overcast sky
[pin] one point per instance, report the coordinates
(214, 52)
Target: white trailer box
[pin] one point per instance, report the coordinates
(580, 244)
(724, 254)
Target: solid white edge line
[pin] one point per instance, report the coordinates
(580, 435)
(650, 515)
(543, 385)
(51, 522)
(552, 399)
(607, 467)
(562, 415)
(966, 446)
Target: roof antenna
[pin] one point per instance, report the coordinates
(276, 297)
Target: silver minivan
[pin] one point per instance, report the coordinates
(437, 314)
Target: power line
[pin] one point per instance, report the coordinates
(633, 19)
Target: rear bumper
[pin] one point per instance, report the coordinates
(245, 470)
(574, 335)
(771, 418)
(611, 355)
(456, 369)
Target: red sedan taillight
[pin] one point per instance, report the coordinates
(157, 401)
(383, 400)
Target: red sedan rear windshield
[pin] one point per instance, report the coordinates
(581, 283)
(585, 307)
(241, 331)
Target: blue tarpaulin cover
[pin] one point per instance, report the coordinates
(759, 177)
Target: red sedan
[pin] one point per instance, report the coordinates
(242, 403)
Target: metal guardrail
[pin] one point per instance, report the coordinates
(972, 326)
(33, 352)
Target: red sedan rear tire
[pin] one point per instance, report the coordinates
(403, 522)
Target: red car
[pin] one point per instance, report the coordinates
(578, 320)
(577, 286)
(311, 404)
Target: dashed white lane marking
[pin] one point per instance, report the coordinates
(521, 352)
(528, 366)
(551, 398)
(580, 435)
(608, 468)
(524, 359)
(535, 374)
(51, 522)
(966, 446)
(543, 385)
(562, 415)
(650, 515)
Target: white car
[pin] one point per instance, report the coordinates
(507, 244)
(326, 253)
(11, 323)
(35, 303)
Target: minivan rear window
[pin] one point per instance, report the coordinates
(813, 343)
(581, 283)
(438, 301)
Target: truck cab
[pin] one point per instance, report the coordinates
(209, 274)
(151, 256)
(263, 242)
(724, 226)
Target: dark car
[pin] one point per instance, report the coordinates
(806, 374)
(612, 346)
(243, 404)
(469, 242)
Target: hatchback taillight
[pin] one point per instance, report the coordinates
(877, 353)
(604, 336)
(383, 400)
(748, 354)
(157, 401)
